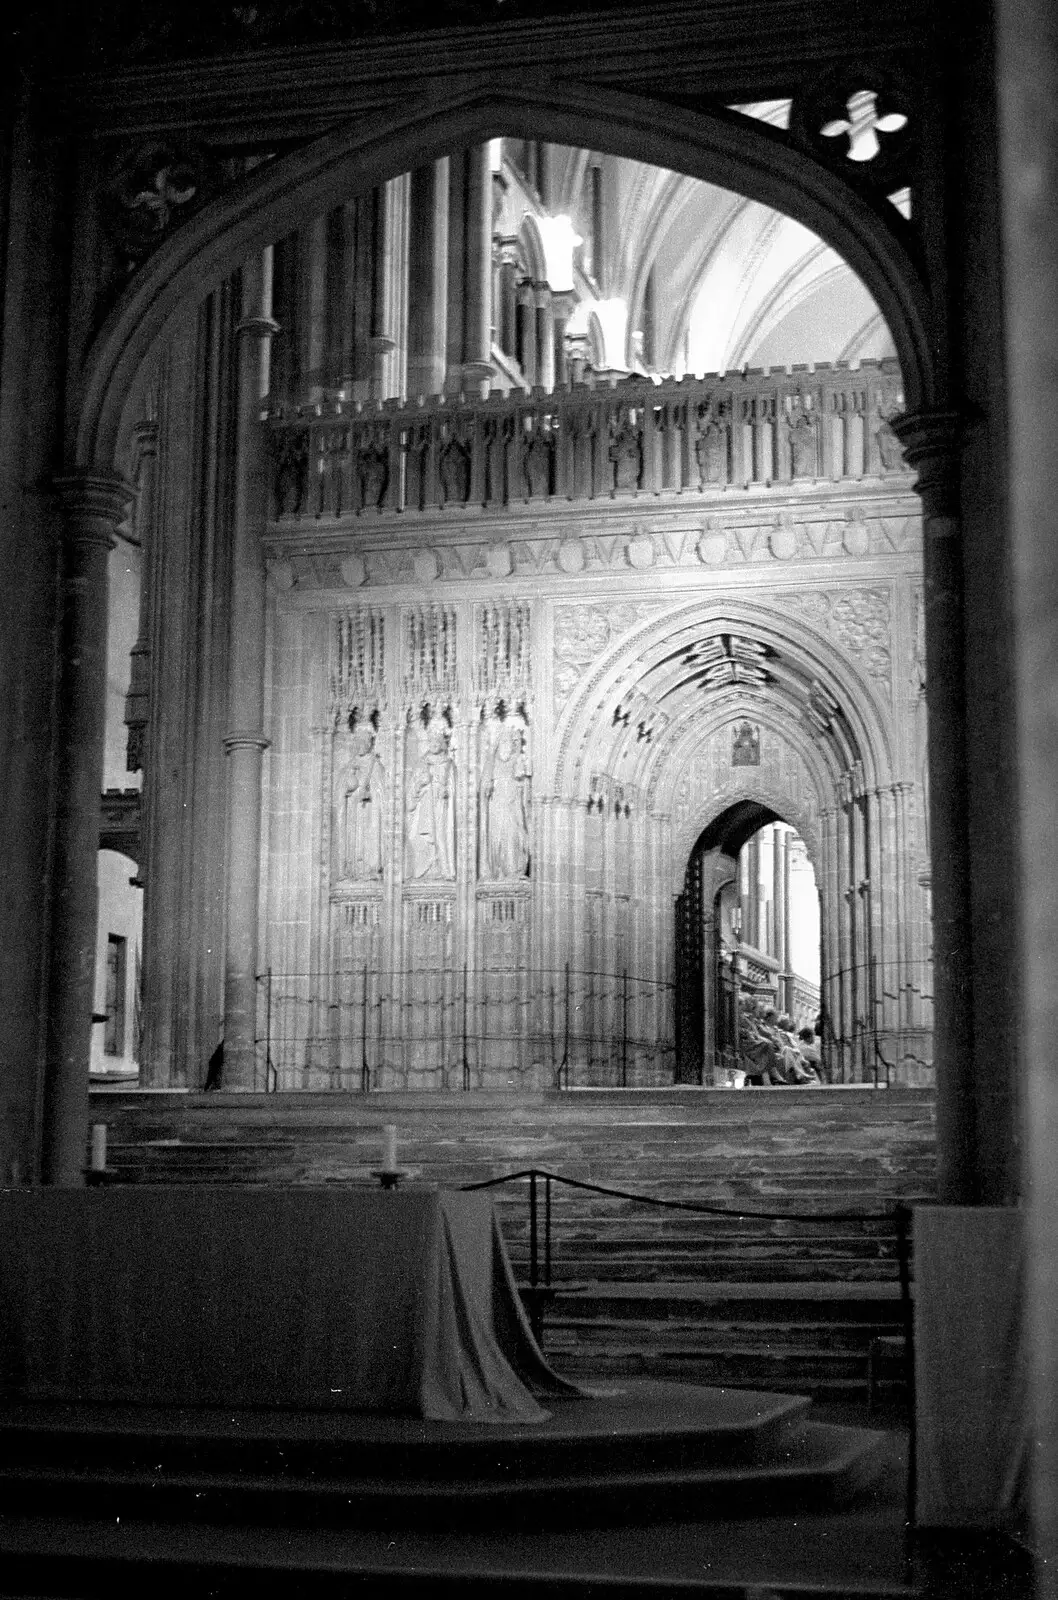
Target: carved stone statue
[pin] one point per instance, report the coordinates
(710, 449)
(504, 816)
(429, 805)
(360, 805)
(804, 461)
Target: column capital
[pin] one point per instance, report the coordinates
(931, 441)
(93, 505)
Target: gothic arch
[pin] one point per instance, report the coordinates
(801, 653)
(721, 147)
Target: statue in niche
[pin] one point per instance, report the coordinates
(372, 470)
(536, 466)
(360, 795)
(455, 472)
(429, 805)
(504, 802)
(710, 449)
(803, 455)
(745, 751)
(626, 454)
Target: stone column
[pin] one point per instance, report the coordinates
(428, 279)
(753, 896)
(245, 741)
(387, 299)
(527, 332)
(545, 337)
(312, 317)
(1028, 151)
(507, 311)
(93, 505)
(562, 304)
(929, 441)
(477, 325)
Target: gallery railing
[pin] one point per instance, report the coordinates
(372, 1028)
(592, 441)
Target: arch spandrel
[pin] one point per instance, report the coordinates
(720, 147)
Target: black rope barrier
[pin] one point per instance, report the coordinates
(533, 1173)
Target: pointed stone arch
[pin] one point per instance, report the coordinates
(645, 763)
(724, 148)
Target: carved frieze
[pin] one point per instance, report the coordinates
(859, 620)
(503, 667)
(358, 666)
(581, 635)
(429, 669)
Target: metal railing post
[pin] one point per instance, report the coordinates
(466, 1058)
(563, 1066)
(624, 1029)
(365, 1071)
(268, 1028)
(534, 1254)
(547, 1231)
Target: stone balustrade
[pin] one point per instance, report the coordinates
(603, 439)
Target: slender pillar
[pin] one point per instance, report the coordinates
(477, 327)
(527, 333)
(312, 319)
(754, 892)
(457, 269)
(507, 311)
(545, 337)
(1028, 147)
(93, 505)
(245, 741)
(388, 289)
(929, 441)
(428, 279)
(562, 304)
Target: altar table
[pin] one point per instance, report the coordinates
(352, 1299)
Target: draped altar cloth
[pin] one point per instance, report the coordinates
(354, 1299)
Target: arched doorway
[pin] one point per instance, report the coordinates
(746, 924)
(647, 450)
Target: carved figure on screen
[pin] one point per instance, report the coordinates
(429, 804)
(710, 449)
(505, 805)
(803, 458)
(360, 803)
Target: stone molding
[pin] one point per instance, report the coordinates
(93, 505)
(685, 50)
(241, 739)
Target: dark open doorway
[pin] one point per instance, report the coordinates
(747, 926)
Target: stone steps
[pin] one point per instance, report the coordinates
(647, 1452)
(823, 1153)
